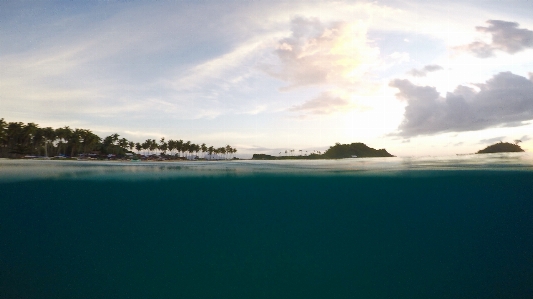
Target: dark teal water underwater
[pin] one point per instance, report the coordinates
(452, 234)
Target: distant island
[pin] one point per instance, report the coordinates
(338, 151)
(502, 147)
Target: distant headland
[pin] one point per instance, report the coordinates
(338, 151)
(502, 147)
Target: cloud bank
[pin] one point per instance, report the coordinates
(506, 37)
(504, 100)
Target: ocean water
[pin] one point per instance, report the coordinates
(453, 227)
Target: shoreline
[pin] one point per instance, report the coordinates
(283, 158)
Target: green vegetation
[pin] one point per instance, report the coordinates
(361, 150)
(502, 147)
(18, 140)
(338, 151)
(263, 157)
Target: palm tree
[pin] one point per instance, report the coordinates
(38, 141)
(161, 143)
(192, 148)
(123, 143)
(203, 147)
(111, 144)
(222, 150)
(49, 137)
(33, 139)
(171, 146)
(210, 150)
(63, 135)
(14, 136)
(3, 133)
(108, 141)
(26, 143)
(90, 141)
(114, 137)
(228, 149)
(82, 140)
(131, 145)
(145, 146)
(153, 145)
(178, 144)
(20, 138)
(163, 147)
(74, 141)
(196, 149)
(186, 147)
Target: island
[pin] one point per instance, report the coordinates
(338, 151)
(501, 147)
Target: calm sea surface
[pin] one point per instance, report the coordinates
(453, 227)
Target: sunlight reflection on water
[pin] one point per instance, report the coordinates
(16, 170)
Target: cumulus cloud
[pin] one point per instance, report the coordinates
(504, 100)
(325, 103)
(318, 53)
(425, 70)
(506, 37)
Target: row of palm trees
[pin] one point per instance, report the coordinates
(17, 138)
(290, 152)
(179, 148)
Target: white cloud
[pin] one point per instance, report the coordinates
(504, 100)
(505, 37)
(218, 68)
(425, 70)
(181, 67)
(325, 103)
(316, 53)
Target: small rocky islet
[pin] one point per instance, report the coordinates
(338, 151)
(501, 147)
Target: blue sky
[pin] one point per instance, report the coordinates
(414, 77)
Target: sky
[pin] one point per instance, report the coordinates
(419, 78)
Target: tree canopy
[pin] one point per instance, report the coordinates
(338, 151)
(18, 139)
(501, 147)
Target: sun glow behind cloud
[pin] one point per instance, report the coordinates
(316, 53)
(335, 58)
(357, 56)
